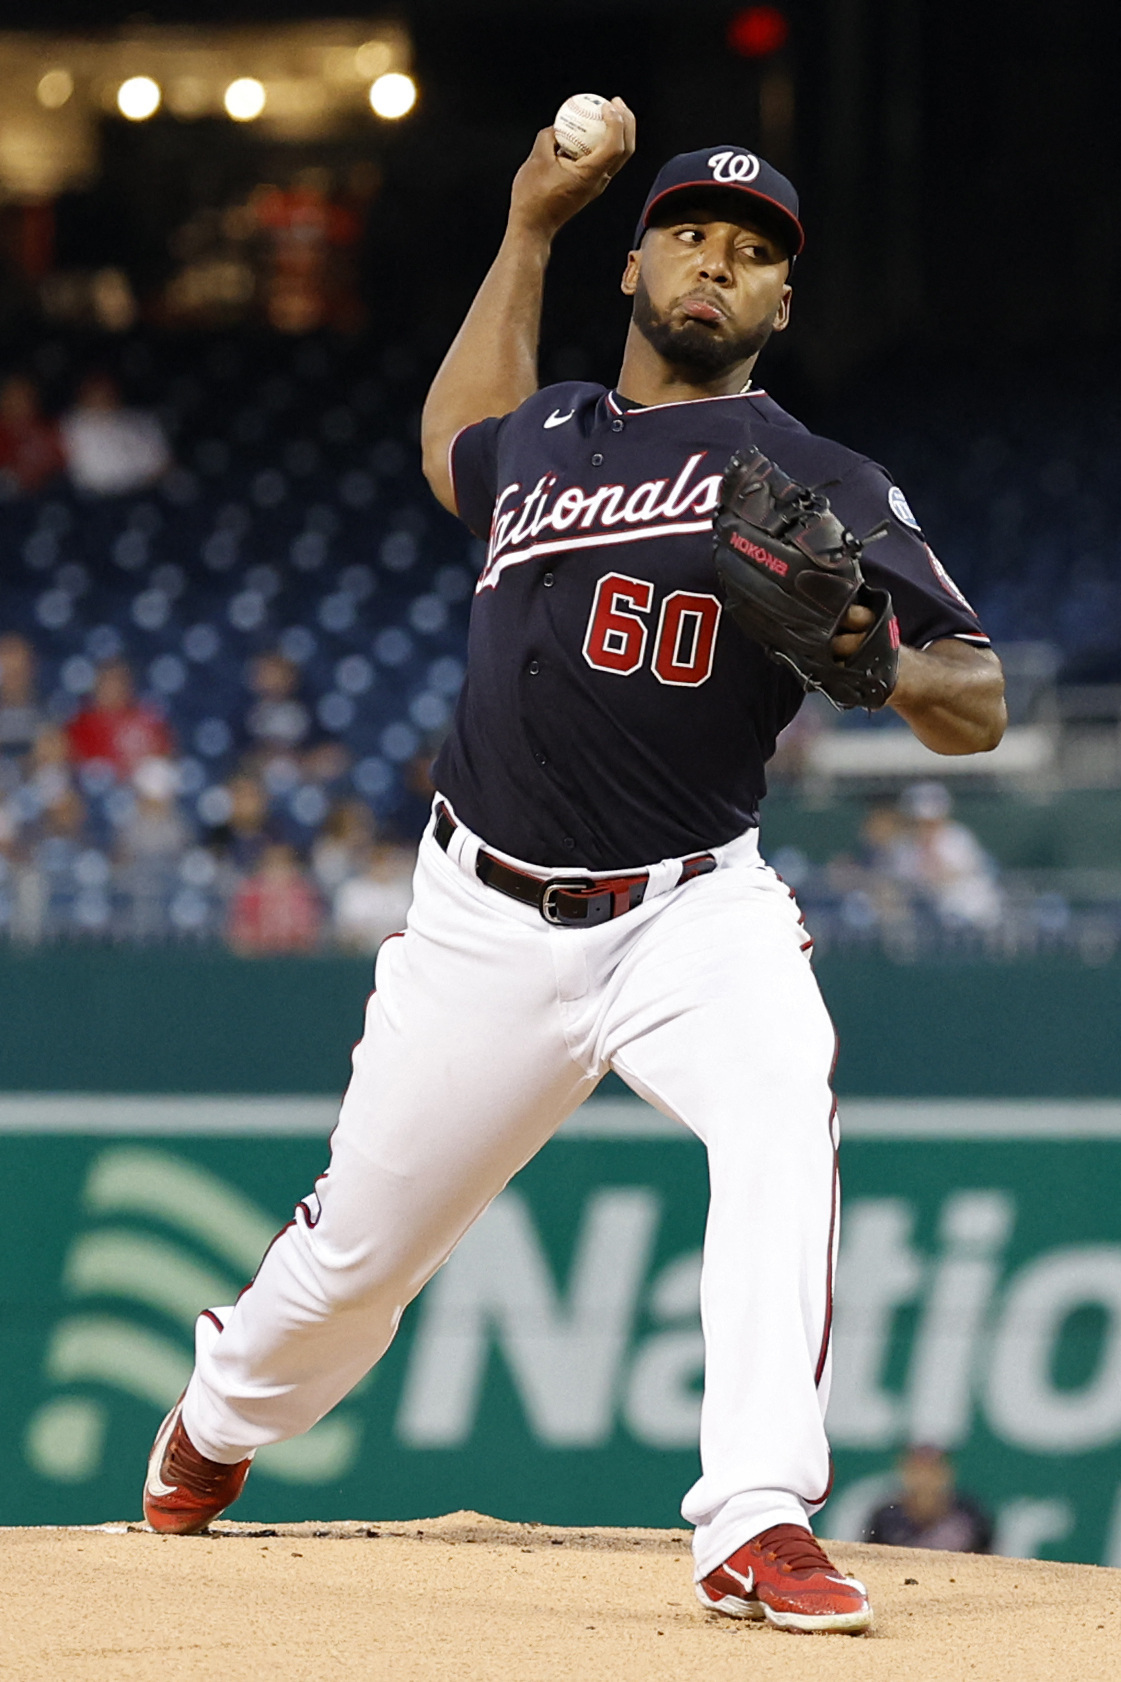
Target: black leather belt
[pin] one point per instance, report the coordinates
(567, 902)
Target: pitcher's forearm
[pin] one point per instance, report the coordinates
(952, 696)
(491, 366)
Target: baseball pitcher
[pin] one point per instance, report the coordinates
(670, 565)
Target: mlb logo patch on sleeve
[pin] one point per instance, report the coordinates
(901, 508)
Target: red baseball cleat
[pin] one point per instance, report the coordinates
(784, 1576)
(184, 1490)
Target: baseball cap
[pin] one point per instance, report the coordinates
(735, 168)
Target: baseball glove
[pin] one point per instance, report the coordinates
(789, 571)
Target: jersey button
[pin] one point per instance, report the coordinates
(616, 426)
(534, 668)
(548, 581)
(597, 460)
(569, 842)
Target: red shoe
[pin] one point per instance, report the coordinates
(184, 1490)
(784, 1576)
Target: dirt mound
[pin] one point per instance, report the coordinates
(470, 1599)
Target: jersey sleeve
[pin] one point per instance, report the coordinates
(473, 464)
(927, 602)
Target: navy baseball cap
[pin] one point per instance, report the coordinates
(737, 169)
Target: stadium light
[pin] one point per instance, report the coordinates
(244, 99)
(393, 95)
(55, 89)
(758, 31)
(138, 98)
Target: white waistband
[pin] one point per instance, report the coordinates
(463, 850)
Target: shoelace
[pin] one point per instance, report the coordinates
(793, 1548)
(185, 1467)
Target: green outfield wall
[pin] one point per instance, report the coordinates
(159, 1117)
(89, 1019)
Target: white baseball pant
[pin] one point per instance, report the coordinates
(487, 1029)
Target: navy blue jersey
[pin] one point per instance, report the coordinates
(612, 715)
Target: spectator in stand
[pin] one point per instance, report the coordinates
(279, 728)
(150, 843)
(945, 861)
(276, 910)
(155, 833)
(343, 844)
(277, 721)
(61, 830)
(116, 728)
(21, 717)
(30, 443)
(245, 832)
(885, 837)
(928, 1512)
(876, 872)
(325, 762)
(310, 233)
(47, 770)
(52, 843)
(111, 450)
(370, 907)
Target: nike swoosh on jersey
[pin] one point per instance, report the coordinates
(557, 419)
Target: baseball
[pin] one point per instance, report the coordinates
(579, 126)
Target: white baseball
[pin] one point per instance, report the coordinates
(579, 126)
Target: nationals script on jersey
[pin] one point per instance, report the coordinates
(612, 716)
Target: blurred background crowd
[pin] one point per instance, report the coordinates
(233, 631)
(226, 660)
(233, 620)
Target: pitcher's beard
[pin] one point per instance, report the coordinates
(690, 347)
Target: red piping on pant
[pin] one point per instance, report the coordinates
(273, 1240)
(310, 1221)
(819, 1500)
(827, 1331)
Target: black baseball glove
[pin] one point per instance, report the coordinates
(789, 571)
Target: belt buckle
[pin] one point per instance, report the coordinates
(548, 901)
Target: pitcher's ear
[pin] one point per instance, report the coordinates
(629, 282)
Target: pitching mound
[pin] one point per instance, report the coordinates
(469, 1599)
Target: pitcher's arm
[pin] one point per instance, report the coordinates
(492, 364)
